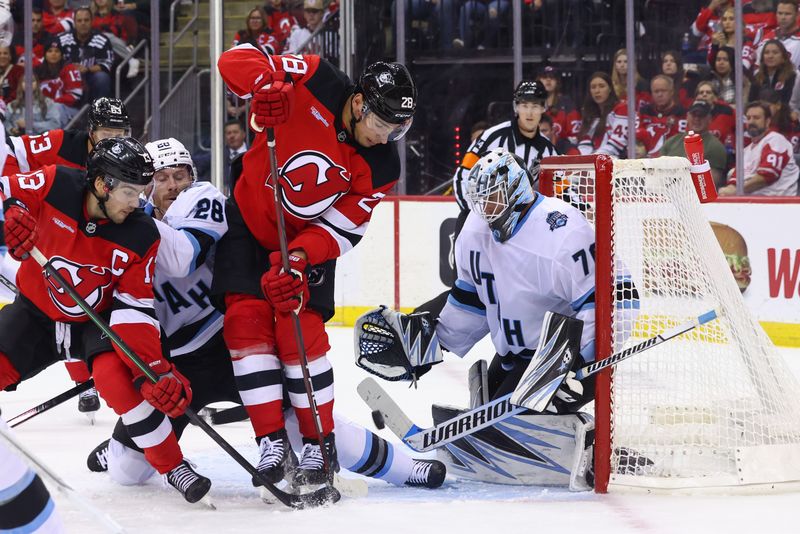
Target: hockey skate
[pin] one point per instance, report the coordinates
(185, 479)
(311, 469)
(97, 461)
(277, 457)
(89, 403)
(427, 474)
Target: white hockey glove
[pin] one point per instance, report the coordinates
(396, 346)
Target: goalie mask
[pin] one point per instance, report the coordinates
(499, 188)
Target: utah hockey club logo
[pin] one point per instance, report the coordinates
(88, 280)
(312, 183)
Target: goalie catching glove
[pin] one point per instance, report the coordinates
(396, 346)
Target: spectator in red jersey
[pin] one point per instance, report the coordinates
(60, 81)
(563, 146)
(672, 66)
(723, 76)
(619, 78)
(57, 18)
(598, 103)
(560, 107)
(787, 31)
(279, 20)
(723, 117)
(776, 71)
(46, 115)
(114, 25)
(726, 36)
(40, 38)
(664, 115)
(10, 74)
(758, 17)
(257, 33)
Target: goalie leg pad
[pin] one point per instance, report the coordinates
(396, 346)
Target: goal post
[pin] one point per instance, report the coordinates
(712, 408)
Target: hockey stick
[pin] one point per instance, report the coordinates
(51, 403)
(425, 439)
(317, 498)
(63, 488)
(298, 332)
(9, 284)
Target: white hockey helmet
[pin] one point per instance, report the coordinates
(170, 152)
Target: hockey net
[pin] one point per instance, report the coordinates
(714, 407)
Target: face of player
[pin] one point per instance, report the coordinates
(313, 18)
(772, 57)
(722, 63)
(757, 123)
(599, 90)
(786, 15)
(234, 136)
(662, 94)
(36, 22)
(168, 184)
(121, 201)
(83, 22)
(104, 132)
(5, 56)
(53, 55)
(668, 65)
(705, 92)
(255, 22)
(370, 130)
(528, 116)
(621, 65)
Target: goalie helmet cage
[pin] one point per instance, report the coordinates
(713, 408)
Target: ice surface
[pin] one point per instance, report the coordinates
(63, 438)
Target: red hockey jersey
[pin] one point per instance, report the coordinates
(67, 88)
(330, 184)
(55, 147)
(110, 265)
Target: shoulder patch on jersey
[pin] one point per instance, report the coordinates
(66, 193)
(384, 163)
(556, 219)
(137, 233)
(329, 86)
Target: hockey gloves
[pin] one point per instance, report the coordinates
(170, 395)
(273, 98)
(286, 292)
(19, 229)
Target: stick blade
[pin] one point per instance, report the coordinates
(378, 400)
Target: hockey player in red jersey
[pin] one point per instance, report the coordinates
(336, 163)
(89, 226)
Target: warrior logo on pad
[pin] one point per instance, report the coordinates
(312, 183)
(88, 280)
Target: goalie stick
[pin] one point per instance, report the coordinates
(425, 439)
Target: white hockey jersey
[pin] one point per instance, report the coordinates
(504, 289)
(189, 230)
(773, 158)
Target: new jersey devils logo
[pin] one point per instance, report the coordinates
(312, 183)
(88, 280)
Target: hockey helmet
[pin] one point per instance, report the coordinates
(109, 113)
(499, 188)
(389, 93)
(170, 153)
(120, 159)
(530, 91)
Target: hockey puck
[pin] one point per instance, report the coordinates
(377, 418)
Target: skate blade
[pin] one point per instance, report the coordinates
(90, 416)
(352, 488)
(208, 502)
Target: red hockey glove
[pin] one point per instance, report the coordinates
(19, 229)
(171, 394)
(700, 169)
(286, 291)
(273, 98)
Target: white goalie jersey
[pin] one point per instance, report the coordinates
(504, 289)
(189, 230)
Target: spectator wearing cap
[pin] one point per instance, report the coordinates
(698, 120)
(60, 81)
(40, 39)
(10, 74)
(560, 107)
(91, 51)
(769, 166)
(723, 117)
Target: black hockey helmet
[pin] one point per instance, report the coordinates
(389, 91)
(530, 91)
(122, 159)
(109, 113)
